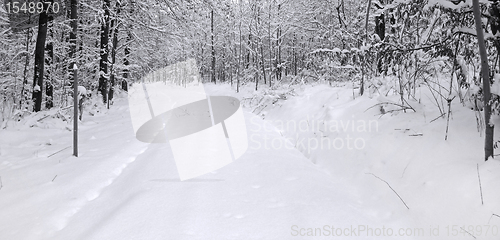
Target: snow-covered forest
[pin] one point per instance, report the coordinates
(364, 119)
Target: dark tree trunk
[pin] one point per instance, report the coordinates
(213, 47)
(270, 48)
(49, 91)
(49, 88)
(239, 58)
(278, 44)
(39, 61)
(485, 72)
(24, 95)
(114, 28)
(380, 26)
(263, 63)
(103, 64)
(249, 45)
(126, 63)
(294, 55)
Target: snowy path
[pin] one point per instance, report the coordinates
(147, 201)
(120, 188)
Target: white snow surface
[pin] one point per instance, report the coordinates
(120, 188)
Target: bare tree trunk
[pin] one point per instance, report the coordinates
(114, 28)
(39, 61)
(485, 72)
(263, 62)
(213, 43)
(270, 48)
(260, 42)
(103, 64)
(24, 96)
(49, 87)
(367, 17)
(294, 55)
(126, 63)
(362, 87)
(278, 43)
(380, 26)
(239, 58)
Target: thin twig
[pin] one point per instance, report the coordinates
(391, 189)
(54, 178)
(437, 118)
(493, 215)
(1, 184)
(404, 170)
(434, 96)
(43, 118)
(407, 103)
(57, 152)
(468, 232)
(480, 187)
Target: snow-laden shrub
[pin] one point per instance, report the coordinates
(268, 97)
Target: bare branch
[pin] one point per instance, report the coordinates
(391, 189)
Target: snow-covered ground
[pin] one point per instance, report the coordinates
(320, 164)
